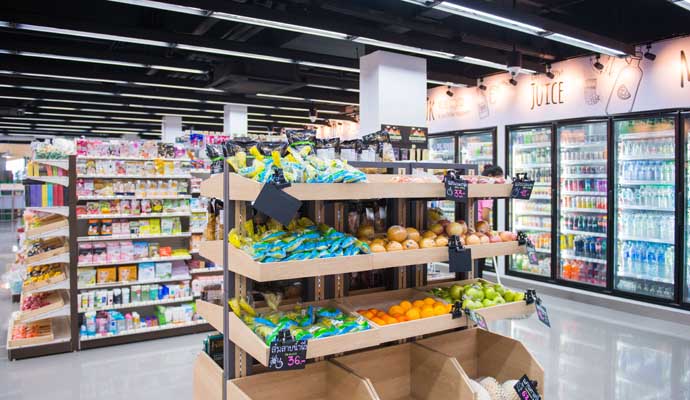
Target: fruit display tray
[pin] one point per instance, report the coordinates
(241, 263)
(38, 231)
(48, 254)
(378, 186)
(55, 301)
(45, 334)
(32, 286)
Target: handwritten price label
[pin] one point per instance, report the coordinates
(526, 389)
(456, 190)
(522, 190)
(288, 354)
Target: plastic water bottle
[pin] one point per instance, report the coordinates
(638, 198)
(627, 258)
(661, 262)
(652, 267)
(635, 256)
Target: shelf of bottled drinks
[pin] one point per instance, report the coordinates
(606, 209)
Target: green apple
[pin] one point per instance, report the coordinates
(488, 303)
(499, 300)
(509, 296)
(475, 305)
(500, 289)
(519, 296)
(456, 291)
(475, 294)
(490, 293)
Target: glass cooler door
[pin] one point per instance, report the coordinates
(442, 148)
(645, 209)
(686, 272)
(476, 148)
(530, 152)
(582, 187)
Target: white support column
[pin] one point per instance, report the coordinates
(235, 121)
(392, 91)
(172, 128)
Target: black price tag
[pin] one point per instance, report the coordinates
(477, 319)
(526, 389)
(456, 310)
(456, 190)
(287, 353)
(532, 254)
(522, 187)
(459, 257)
(277, 204)
(542, 314)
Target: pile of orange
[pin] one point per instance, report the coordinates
(407, 311)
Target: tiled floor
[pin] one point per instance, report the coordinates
(589, 353)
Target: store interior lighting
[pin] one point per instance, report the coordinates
(480, 84)
(549, 72)
(597, 64)
(648, 53)
(682, 3)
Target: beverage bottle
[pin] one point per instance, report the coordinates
(635, 257)
(670, 262)
(651, 261)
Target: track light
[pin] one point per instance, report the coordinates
(549, 73)
(449, 92)
(648, 54)
(480, 84)
(512, 79)
(598, 65)
(312, 114)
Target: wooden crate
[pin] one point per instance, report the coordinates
(56, 300)
(45, 328)
(207, 378)
(27, 287)
(516, 309)
(402, 330)
(482, 353)
(319, 381)
(58, 223)
(409, 371)
(61, 247)
(242, 335)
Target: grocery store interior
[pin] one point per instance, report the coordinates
(364, 199)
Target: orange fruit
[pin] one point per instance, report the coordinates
(361, 312)
(429, 301)
(419, 303)
(396, 310)
(378, 321)
(449, 308)
(373, 310)
(427, 312)
(440, 309)
(380, 314)
(412, 314)
(369, 315)
(390, 320)
(405, 305)
(402, 318)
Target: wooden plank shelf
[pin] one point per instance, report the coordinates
(240, 262)
(378, 186)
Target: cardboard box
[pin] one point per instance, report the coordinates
(163, 270)
(147, 272)
(127, 273)
(86, 276)
(106, 275)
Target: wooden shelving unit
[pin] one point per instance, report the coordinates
(325, 284)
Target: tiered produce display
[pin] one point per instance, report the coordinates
(319, 250)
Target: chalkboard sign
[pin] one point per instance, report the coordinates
(526, 389)
(459, 257)
(531, 253)
(477, 319)
(277, 204)
(542, 314)
(456, 190)
(522, 187)
(287, 353)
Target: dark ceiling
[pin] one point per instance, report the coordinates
(65, 78)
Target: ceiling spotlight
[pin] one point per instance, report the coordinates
(449, 92)
(598, 65)
(312, 114)
(549, 73)
(648, 54)
(481, 84)
(514, 63)
(512, 79)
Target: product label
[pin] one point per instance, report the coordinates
(531, 254)
(542, 314)
(477, 319)
(526, 389)
(277, 204)
(522, 190)
(287, 353)
(456, 190)
(459, 259)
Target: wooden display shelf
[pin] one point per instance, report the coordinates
(240, 262)
(44, 230)
(38, 285)
(45, 328)
(494, 313)
(403, 330)
(241, 335)
(378, 186)
(56, 300)
(409, 371)
(63, 249)
(207, 378)
(481, 353)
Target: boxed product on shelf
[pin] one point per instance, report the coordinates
(127, 273)
(178, 314)
(125, 168)
(86, 276)
(209, 288)
(56, 149)
(43, 275)
(132, 296)
(106, 275)
(46, 195)
(131, 187)
(147, 271)
(163, 270)
(113, 148)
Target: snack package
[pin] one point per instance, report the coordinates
(302, 140)
(327, 148)
(349, 149)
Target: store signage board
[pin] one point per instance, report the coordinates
(277, 204)
(456, 190)
(287, 353)
(407, 136)
(526, 390)
(477, 319)
(522, 187)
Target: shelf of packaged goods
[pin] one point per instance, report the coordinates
(542, 184)
(139, 304)
(537, 197)
(647, 157)
(145, 330)
(62, 284)
(130, 283)
(242, 263)
(644, 208)
(378, 186)
(582, 145)
(545, 251)
(479, 158)
(135, 261)
(528, 212)
(51, 210)
(573, 193)
(582, 162)
(198, 210)
(103, 176)
(56, 259)
(649, 183)
(647, 135)
(56, 229)
(60, 334)
(122, 216)
(59, 163)
(568, 256)
(200, 171)
(526, 146)
(197, 231)
(585, 210)
(582, 233)
(127, 237)
(629, 275)
(527, 166)
(644, 239)
(130, 158)
(56, 180)
(571, 176)
(134, 197)
(213, 270)
(532, 228)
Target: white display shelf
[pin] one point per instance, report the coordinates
(52, 210)
(644, 239)
(527, 146)
(621, 274)
(647, 135)
(145, 330)
(570, 176)
(199, 171)
(532, 228)
(60, 232)
(63, 311)
(135, 197)
(542, 184)
(537, 197)
(56, 180)
(194, 251)
(205, 270)
(532, 165)
(130, 158)
(647, 157)
(583, 233)
(585, 210)
(528, 212)
(583, 162)
(150, 215)
(479, 158)
(131, 283)
(644, 208)
(63, 284)
(646, 183)
(570, 193)
(60, 163)
(582, 145)
(198, 210)
(137, 261)
(138, 304)
(126, 237)
(60, 258)
(580, 258)
(97, 176)
(197, 231)
(545, 251)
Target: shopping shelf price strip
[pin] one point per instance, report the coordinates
(287, 353)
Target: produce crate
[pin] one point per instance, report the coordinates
(55, 300)
(45, 334)
(319, 381)
(242, 335)
(208, 378)
(31, 286)
(516, 309)
(482, 353)
(61, 247)
(409, 371)
(57, 223)
(402, 330)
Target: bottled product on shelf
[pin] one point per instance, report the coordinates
(442, 148)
